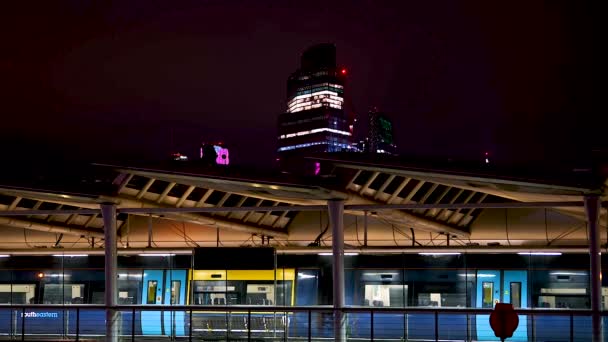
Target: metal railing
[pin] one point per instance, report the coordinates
(274, 323)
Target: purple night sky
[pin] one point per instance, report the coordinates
(92, 80)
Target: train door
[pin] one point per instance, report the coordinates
(175, 294)
(495, 286)
(152, 294)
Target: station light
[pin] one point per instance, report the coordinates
(70, 255)
(4, 255)
(439, 253)
(568, 273)
(539, 253)
(306, 276)
(155, 254)
(329, 253)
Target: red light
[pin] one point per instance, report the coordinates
(343, 71)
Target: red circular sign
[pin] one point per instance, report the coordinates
(504, 320)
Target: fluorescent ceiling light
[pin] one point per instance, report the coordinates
(329, 253)
(479, 275)
(127, 275)
(568, 273)
(4, 255)
(70, 255)
(539, 253)
(485, 275)
(442, 253)
(156, 254)
(306, 276)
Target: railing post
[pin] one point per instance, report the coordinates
(23, 324)
(533, 327)
(190, 327)
(436, 325)
(309, 325)
(371, 323)
(227, 324)
(468, 327)
(249, 325)
(77, 324)
(404, 326)
(571, 328)
(133, 325)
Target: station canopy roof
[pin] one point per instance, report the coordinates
(57, 199)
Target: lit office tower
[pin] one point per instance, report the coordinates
(315, 120)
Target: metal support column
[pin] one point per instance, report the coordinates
(365, 229)
(592, 204)
(336, 217)
(108, 211)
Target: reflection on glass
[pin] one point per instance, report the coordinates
(488, 290)
(385, 295)
(17, 294)
(515, 292)
(175, 291)
(152, 285)
(63, 294)
(241, 292)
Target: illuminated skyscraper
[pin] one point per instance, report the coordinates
(315, 120)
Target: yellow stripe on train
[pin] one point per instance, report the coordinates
(269, 275)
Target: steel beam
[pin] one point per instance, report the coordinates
(431, 212)
(398, 190)
(413, 192)
(384, 186)
(46, 227)
(206, 195)
(162, 196)
(369, 182)
(185, 196)
(469, 211)
(145, 189)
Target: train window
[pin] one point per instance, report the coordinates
(129, 287)
(17, 294)
(260, 294)
(385, 295)
(175, 291)
(488, 293)
(63, 294)
(284, 293)
(213, 292)
(152, 286)
(515, 292)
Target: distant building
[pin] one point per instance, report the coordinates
(315, 119)
(380, 138)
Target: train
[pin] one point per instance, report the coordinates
(435, 280)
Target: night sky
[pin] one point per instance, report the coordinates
(97, 80)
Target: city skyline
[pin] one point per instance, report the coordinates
(88, 81)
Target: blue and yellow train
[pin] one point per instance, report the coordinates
(404, 280)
